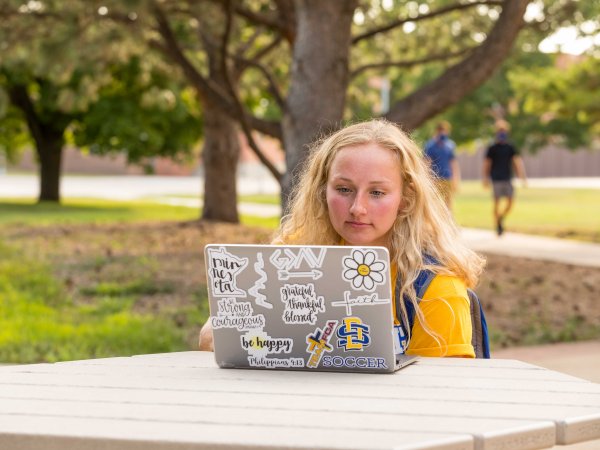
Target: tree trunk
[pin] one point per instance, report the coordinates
(49, 149)
(220, 157)
(47, 130)
(319, 79)
(221, 148)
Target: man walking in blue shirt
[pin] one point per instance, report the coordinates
(439, 150)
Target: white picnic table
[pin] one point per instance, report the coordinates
(184, 401)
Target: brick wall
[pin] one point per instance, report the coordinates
(549, 162)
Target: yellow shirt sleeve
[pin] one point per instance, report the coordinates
(445, 307)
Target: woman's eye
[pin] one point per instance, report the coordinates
(377, 193)
(343, 190)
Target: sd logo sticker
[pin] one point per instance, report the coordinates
(353, 334)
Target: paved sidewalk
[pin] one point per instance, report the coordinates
(537, 247)
(125, 187)
(580, 359)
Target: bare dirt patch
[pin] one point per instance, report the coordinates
(526, 301)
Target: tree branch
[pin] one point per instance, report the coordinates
(19, 97)
(248, 44)
(242, 115)
(286, 11)
(268, 20)
(273, 88)
(409, 63)
(282, 21)
(429, 15)
(205, 87)
(267, 49)
(253, 61)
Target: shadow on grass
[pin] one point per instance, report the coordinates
(137, 287)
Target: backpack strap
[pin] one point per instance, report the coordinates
(480, 339)
(420, 285)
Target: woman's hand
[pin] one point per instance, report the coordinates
(205, 340)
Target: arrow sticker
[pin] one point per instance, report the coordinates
(286, 274)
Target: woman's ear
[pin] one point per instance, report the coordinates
(323, 194)
(401, 206)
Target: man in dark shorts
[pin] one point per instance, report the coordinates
(500, 160)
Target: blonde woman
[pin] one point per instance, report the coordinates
(368, 184)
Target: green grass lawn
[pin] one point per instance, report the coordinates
(269, 199)
(88, 211)
(40, 322)
(74, 211)
(573, 213)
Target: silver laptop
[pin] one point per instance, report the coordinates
(324, 308)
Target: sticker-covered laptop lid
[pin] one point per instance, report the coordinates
(301, 307)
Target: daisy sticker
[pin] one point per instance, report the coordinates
(363, 270)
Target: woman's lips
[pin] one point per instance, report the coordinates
(357, 224)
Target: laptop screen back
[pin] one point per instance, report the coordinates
(301, 307)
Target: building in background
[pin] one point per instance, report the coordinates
(78, 163)
(550, 161)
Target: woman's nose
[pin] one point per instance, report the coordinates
(358, 206)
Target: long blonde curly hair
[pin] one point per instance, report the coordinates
(424, 225)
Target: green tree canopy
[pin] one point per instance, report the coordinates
(142, 113)
(67, 74)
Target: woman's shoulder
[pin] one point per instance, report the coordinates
(446, 286)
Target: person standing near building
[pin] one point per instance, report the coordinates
(500, 160)
(439, 150)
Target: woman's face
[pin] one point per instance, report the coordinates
(364, 194)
